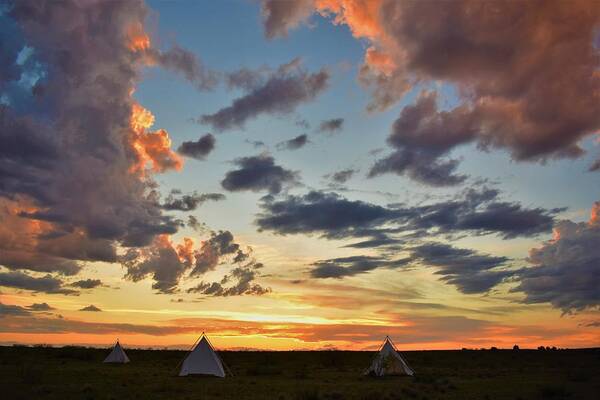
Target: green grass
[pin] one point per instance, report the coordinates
(78, 373)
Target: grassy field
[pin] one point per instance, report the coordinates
(78, 373)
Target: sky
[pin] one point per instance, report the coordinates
(314, 174)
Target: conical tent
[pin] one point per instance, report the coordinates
(117, 355)
(388, 361)
(202, 360)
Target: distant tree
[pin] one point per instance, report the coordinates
(516, 347)
(541, 348)
(493, 348)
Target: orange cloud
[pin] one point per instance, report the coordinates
(185, 251)
(137, 38)
(151, 148)
(360, 16)
(595, 214)
(410, 333)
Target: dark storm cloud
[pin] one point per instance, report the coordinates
(189, 202)
(333, 216)
(45, 284)
(505, 59)
(331, 125)
(91, 308)
(87, 283)
(350, 266)
(566, 270)
(258, 173)
(198, 149)
(342, 176)
(67, 193)
(244, 284)
(293, 144)
(276, 92)
(468, 270)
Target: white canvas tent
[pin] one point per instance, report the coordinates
(202, 360)
(388, 361)
(117, 355)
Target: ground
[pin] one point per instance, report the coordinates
(78, 373)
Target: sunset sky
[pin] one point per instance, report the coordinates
(300, 175)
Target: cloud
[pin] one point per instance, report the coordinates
(325, 213)
(342, 176)
(513, 92)
(278, 92)
(196, 225)
(78, 155)
(41, 325)
(256, 143)
(420, 146)
(184, 62)
(482, 212)
(87, 283)
(198, 149)
(257, 173)
(451, 331)
(331, 126)
(302, 123)
(279, 16)
(40, 307)
(470, 271)
(565, 270)
(189, 202)
(164, 261)
(333, 216)
(45, 284)
(12, 310)
(168, 263)
(220, 244)
(293, 144)
(595, 166)
(91, 308)
(350, 266)
(244, 284)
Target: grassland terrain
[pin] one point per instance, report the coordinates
(78, 373)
